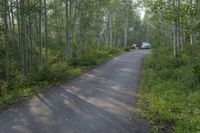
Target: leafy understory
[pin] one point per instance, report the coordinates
(170, 92)
(53, 74)
(43, 42)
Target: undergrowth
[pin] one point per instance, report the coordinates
(39, 79)
(170, 91)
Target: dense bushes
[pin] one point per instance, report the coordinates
(56, 71)
(127, 49)
(170, 92)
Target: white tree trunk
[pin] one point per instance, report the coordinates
(46, 30)
(110, 29)
(191, 38)
(126, 27)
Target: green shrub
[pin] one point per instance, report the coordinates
(3, 87)
(44, 74)
(127, 49)
(167, 92)
(57, 70)
(196, 72)
(88, 60)
(93, 57)
(20, 80)
(103, 54)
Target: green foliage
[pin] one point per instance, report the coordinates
(4, 86)
(55, 72)
(169, 95)
(196, 72)
(127, 49)
(94, 56)
(2, 54)
(36, 55)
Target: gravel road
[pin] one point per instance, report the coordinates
(99, 101)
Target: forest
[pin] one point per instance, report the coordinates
(170, 91)
(46, 42)
(43, 42)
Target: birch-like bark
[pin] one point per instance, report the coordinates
(67, 27)
(126, 26)
(180, 41)
(9, 16)
(163, 28)
(174, 29)
(40, 32)
(22, 32)
(46, 30)
(30, 36)
(13, 22)
(70, 48)
(19, 33)
(110, 29)
(68, 14)
(191, 39)
(191, 31)
(5, 30)
(80, 44)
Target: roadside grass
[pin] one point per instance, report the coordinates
(55, 73)
(170, 91)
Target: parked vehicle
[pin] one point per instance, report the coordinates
(145, 45)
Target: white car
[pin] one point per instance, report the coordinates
(145, 45)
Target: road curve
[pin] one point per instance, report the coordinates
(99, 101)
